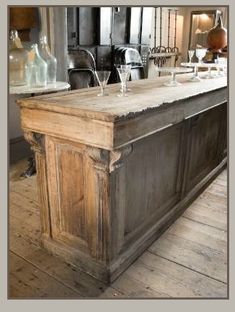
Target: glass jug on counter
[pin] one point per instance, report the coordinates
(18, 59)
(37, 69)
(49, 59)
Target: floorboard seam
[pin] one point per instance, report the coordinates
(215, 227)
(52, 276)
(145, 285)
(156, 254)
(27, 197)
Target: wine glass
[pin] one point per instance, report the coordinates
(209, 74)
(124, 74)
(173, 70)
(190, 55)
(172, 82)
(221, 64)
(102, 77)
(200, 53)
(128, 68)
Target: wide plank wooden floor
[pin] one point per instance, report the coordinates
(188, 261)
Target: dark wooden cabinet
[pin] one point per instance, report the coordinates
(120, 25)
(162, 171)
(23, 19)
(87, 25)
(206, 144)
(102, 29)
(72, 27)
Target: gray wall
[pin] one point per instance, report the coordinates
(57, 33)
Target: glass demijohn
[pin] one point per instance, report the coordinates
(49, 59)
(37, 69)
(18, 58)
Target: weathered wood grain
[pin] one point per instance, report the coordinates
(29, 282)
(203, 250)
(28, 188)
(24, 241)
(136, 288)
(167, 277)
(198, 211)
(150, 278)
(114, 173)
(147, 94)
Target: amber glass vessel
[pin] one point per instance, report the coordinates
(217, 37)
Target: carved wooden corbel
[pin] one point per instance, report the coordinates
(99, 157)
(117, 157)
(36, 140)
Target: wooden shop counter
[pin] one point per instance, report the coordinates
(113, 173)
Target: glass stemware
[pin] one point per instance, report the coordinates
(209, 73)
(128, 68)
(172, 82)
(221, 66)
(190, 55)
(102, 77)
(200, 53)
(195, 77)
(173, 71)
(124, 74)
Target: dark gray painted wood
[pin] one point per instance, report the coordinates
(205, 145)
(19, 149)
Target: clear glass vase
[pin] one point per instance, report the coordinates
(49, 58)
(37, 69)
(18, 59)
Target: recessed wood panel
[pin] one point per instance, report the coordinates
(204, 145)
(71, 191)
(152, 169)
(65, 170)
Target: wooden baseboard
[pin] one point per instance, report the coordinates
(19, 149)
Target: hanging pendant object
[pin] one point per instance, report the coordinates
(217, 37)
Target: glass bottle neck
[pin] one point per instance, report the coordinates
(45, 47)
(14, 34)
(35, 49)
(15, 42)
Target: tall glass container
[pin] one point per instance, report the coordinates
(49, 58)
(18, 59)
(37, 69)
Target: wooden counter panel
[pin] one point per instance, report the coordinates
(78, 195)
(79, 129)
(147, 185)
(128, 131)
(147, 95)
(204, 146)
(114, 173)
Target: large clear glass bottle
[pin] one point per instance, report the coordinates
(37, 69)
(18, 59)
(49, 58)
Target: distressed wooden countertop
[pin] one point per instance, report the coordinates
(149, 107)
